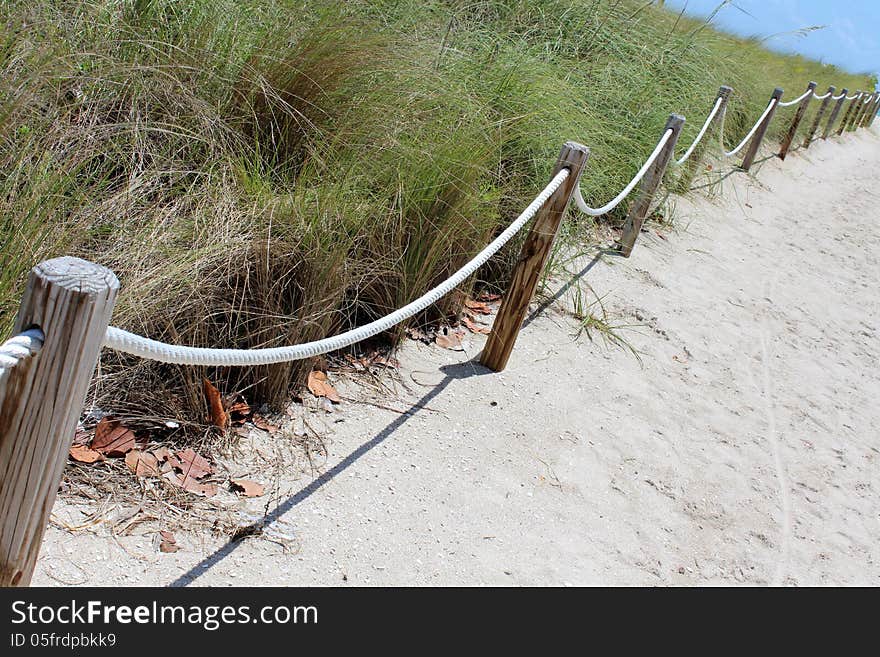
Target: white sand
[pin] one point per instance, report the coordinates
(743, 449)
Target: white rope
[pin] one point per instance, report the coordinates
(838, 97)
(752, 132)
(702, 132)
(868, 99)
(20, 346)
(608, 207)
(145, 348)
(853, 97)
(822, 97)
(796, 100)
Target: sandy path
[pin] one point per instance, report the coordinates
(744, 448)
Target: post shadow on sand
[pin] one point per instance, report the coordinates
(452, 372)
(455, 371)
(570, 283)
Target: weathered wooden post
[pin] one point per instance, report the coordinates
(874, 111)
(859, 113)
(693, 164)
(41, 399)
(755, 144)
(870, 111)
(835, 113)
(650, 183)
(867, 110)
(796, 121)
(862, 110)
(823, 108)
(532, 258)
(849, 112)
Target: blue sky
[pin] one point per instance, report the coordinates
(851, 38)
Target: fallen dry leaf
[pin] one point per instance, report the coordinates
(418, 335)
(85, 454)
(357, 364)
(143, 464)
(320, 387)
(190, 484)
(487, 297)
(168, 542)
(473, 327)
(191, 464)
(451, 341)
(81, 436)
(238, 413)
(162, 453)
(113, 438)
(215, 405)
(477, 307)
(386, 361)
(247, 488)
(241, 408)
(262, 423)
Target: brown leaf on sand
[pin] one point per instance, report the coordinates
(191, 464)
(143, 464)
(473, 327)
(247, 488)
(215, 405)
(418, 335)
(190, 484)
(238, 412)
(85, 454)
(450, 341)
(112, 438)
(81, 436)
(477, 307)
(385, 361)
(262, 423)
(320, 387)
(161, 453)
(167, 542)
(488, 297)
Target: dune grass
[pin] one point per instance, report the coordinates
(263, 172)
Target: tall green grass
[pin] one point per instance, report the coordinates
(261, 172)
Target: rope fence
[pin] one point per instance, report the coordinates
(64, 317)
(754, 129)
(613, 203)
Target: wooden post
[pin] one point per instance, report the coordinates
(866, 113)
(874, 111)
(823, 108)
(849, 113)
(41, 399)
(650, 183)
(693, 164)
(860, 112)
(755, 144)
(835, 113)
(796, 121)
(870, 111)
(532, 258)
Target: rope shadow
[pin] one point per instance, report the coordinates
(453, 372)
(570, 283)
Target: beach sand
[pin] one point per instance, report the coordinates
(742, 447)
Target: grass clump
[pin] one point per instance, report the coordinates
(261, 172)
